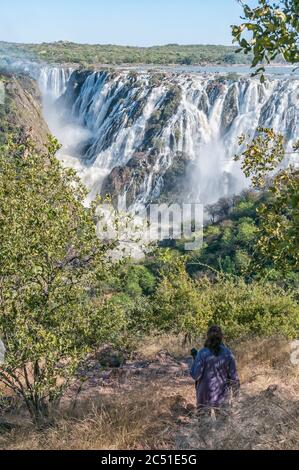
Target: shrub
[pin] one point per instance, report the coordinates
(181, 304)
(51, 264)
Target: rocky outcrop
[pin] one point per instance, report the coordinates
(135, 125)
(230, 109)
(214, 90)
(175, 185)
(108, 356)
(166, 109)
(22, 110)
(75, 84)
(130, 179)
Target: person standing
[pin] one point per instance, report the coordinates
(214, 371)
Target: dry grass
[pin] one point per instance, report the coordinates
(153, 407)
(129, 422)
(266, 415)
(175, 345)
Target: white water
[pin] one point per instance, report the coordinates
(205, 127)
(53, 81)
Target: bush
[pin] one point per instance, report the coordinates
(51, 264)
(178, 306)
(181, 304)
(258, 308)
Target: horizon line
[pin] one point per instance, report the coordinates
(60, 41)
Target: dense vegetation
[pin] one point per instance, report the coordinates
(51, 265)
(85, 54)
(61, 295)
(6, 104)
(21, 110)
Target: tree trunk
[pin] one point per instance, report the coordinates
(38, 410)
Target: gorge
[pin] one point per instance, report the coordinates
(154, 135)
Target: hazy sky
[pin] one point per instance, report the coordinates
(131, 22)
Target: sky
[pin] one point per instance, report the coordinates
(124, 22)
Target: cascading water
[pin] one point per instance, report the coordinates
(53, 81)
(126, 132)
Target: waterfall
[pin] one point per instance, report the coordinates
(126, 132)
(53, 80)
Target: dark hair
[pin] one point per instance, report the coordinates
(214, 339)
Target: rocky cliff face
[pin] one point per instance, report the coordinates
(150, 135)
(21, 112)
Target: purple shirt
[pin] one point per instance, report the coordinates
(214, 376)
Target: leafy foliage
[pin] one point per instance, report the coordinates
(177, 305)
(6, 126)
(273, 27)
(189, 306)
(278, 233)
(51, 266)
(262, 155)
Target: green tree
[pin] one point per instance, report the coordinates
(185, 305)
(51, 266)
(278, 231)
(178, 305)
(246, 232)
(258, 308)
(273, 30)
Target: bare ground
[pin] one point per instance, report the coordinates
(149, 403)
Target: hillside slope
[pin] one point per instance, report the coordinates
(149, 403)
(21, 114)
